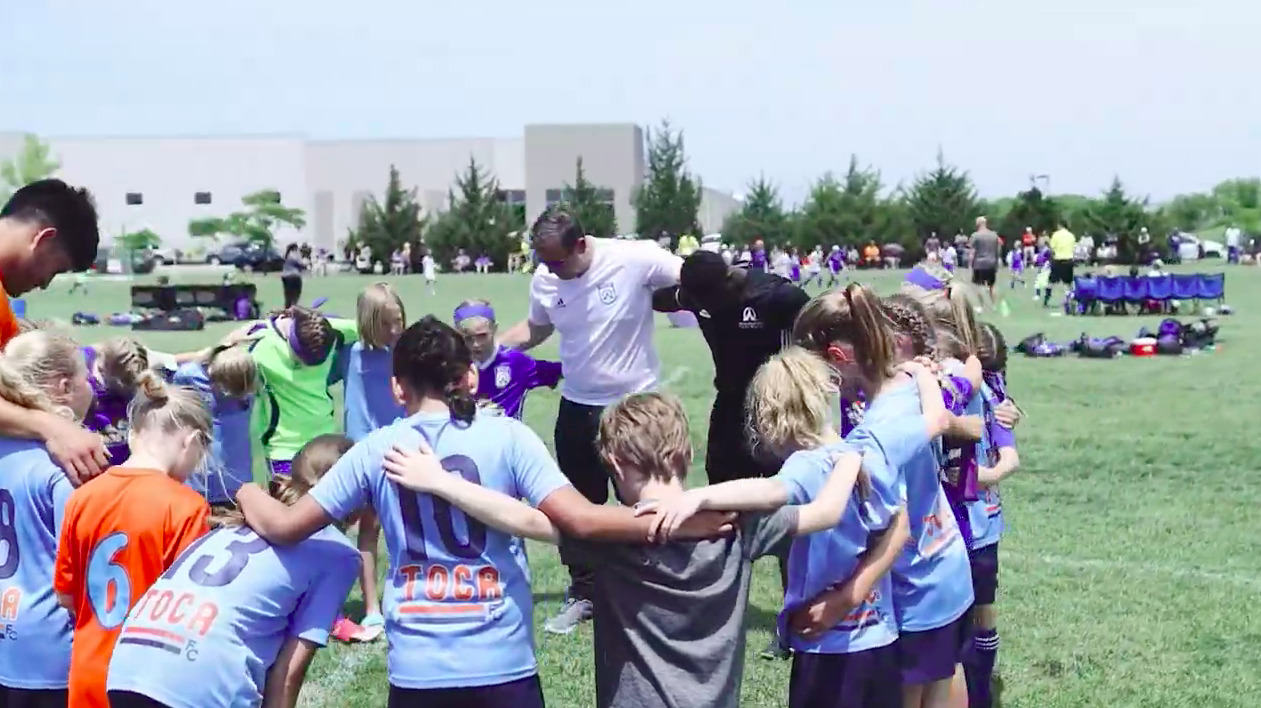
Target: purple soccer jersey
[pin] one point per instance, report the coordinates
(108, 414)
(959, 458)
(852, 413)
(757, 258)
(836, 261)
(509, 375)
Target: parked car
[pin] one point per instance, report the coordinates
(141, 262)
(247, 256)
(166, 256)
(1189, 248)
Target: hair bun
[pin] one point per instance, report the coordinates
(152, 386)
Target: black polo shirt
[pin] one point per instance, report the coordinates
(743, 336)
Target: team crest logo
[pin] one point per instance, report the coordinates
(503, 374)
(608, 294)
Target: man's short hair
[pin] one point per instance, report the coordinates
(557, 221)
(703, 272)
(51, 203)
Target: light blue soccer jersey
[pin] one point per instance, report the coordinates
(458, 609)
(986, 513)
(35, 631)
(932, 578)
(208, 630)
(818, 561)
(369, 400)
(230, 463)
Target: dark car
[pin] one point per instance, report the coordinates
(247, 256)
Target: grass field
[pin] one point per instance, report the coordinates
(1132, 563)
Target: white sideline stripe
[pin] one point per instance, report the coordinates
(1163, 569)
(325, 690)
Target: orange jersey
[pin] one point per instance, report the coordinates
(121, 531)
(8, 320)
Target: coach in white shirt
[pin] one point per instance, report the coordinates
(597, 295)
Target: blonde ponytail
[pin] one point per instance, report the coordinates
(33, 363)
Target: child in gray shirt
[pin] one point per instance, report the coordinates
(670, 618)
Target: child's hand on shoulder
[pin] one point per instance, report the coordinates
(419, 470)
(670, 514)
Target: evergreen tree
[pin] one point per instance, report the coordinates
(1030, 208)
(942, 200)
(476, 220)
(386, 225)
(761, 216)
(825, 218)
(588, 204)
(1120, 215)
(668, 200)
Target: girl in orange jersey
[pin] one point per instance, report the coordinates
(126, 527)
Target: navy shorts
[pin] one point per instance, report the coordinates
(33, 697)
(984, 574)
(128, 699)
(925, 657)
(522, 693)
(865, 679)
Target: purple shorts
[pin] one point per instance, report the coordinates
(281, 467)
(865, 679)
(522, 693)
(925, 657)
(984, 574)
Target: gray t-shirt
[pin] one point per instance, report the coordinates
(985, 248)
(670, 620)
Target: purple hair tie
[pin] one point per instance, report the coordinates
(919, 276)
(295, 345)
(474, 310)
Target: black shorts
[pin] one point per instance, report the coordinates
(1062, 272)
(984, 276)
(129, 699)
(33, 697)
(984, 574)
(522, 693)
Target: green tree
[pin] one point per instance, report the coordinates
(143, 240)
(824, 216)
(761, 215)
(590, 205)
(942, 200)
(668, 200)
(475, 220)
(1030, 208)
(1239, 201)
(34, 162)
(1191, 212)
(257, 222)
(1124, 217)
(387, 224)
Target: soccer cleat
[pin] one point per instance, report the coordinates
(346, 631)
(574, 612)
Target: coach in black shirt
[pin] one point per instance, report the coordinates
(746, 316)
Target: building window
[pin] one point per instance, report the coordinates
(201, 198)
(605, 195)
(554, 196)
(135, 199)
(511, 197)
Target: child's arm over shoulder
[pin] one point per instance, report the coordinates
(831, 606)
(421, 471)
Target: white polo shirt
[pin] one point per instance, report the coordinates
(604, 319)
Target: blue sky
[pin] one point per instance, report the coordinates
(1164, 94)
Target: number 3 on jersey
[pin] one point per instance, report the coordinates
(104, 573)
(444, 516)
